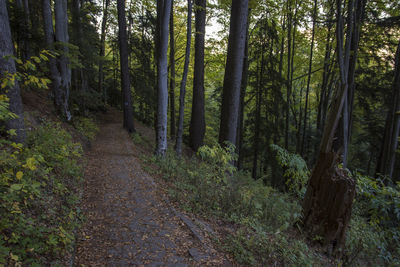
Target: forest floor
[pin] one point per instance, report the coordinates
(129, 220)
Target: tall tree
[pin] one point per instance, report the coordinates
(314, 17)
(172, 72)
(102, 88)
(331, 191)
(178, 146)
(61, 21)
(125, 83)
(387, 157)
(233, 72)
(55, 76)
(162, 80)
(7, 67)
(197, 123)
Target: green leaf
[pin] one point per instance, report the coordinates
(16, 187)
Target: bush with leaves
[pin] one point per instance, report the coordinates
(86, 126)
(295, 170)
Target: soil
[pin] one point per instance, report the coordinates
(128, 218)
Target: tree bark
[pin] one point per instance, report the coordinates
(178, 146)
(7, 66)
(54, 72)
(162, 80)
(197, 122)
(243, 87)
(61, 21)
(172, 73)
(233, 72)
(125, 83)
(102, 89)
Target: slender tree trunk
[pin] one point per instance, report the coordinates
(172, 69)
(102, 88)
(178, 146)
(197, 122)
(233, 72)
(61, 21)
(288, 84)
(125, 83)
(256, 143)
(54, 73)
(162, 79)
(7, 66)
(309, 80)
(386, 161)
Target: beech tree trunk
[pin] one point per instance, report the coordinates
(329, 198)
(54, 72)
(197, 122)
(172, 73)
(125, 83)
(7, 66)
(233, 72)
(178, 146)
(162, 81)
(61, 21)
(102, 88)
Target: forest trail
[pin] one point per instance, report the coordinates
(129, 221)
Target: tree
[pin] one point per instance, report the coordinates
(102, 88)
(233, 72)
(7, 67)
(162, 80)
(172, 72)
(125, 84)
(61, 21)
(197, 123)
(178, 146)
(330, 192)
(54, 72)
(387, 157)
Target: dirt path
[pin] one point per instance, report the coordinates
(128, 219)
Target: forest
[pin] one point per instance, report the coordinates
(199, 133)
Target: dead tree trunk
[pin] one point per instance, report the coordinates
(329, 198)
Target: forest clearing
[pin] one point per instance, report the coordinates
(199, 133)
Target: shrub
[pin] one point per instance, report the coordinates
(86, 126)
(38, 196)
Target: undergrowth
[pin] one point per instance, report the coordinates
(209, 185)
(38, 193)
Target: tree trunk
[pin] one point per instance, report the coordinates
(172, 73)
(309, 80)
(61, 21)
(162, 80)
(197, 122)
(7, 66)
(54, 73)
(233, 72)
(178, 146)
(243, 87)
(102, 89)
(125, 83)
(387, 157)
(330, 192)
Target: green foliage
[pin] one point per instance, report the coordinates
(374, 235)
(295, 170)
(211, 185)
(86, 126)
(38, 196)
